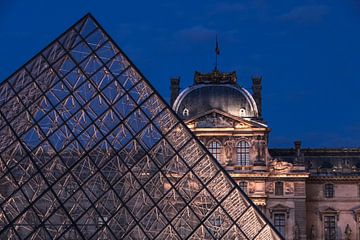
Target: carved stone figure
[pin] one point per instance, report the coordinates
(312, 233)
(347, 232)
(280, 166)
(296, 232)
(229, 149)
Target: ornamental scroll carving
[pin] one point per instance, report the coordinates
(289, 187)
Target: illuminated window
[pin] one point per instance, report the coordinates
(215, 149)
(330, 227)
(243, 185)
(329, 190)
(186, 112)
(279, 222)
(279, 188)
(243, 153)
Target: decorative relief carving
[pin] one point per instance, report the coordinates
(240, 125)
(280, 166)
(289, 187)
(269, 187)
(252, 187)
(214, 120)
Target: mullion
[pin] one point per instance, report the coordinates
(213, 210)
(32, 203)
(57, 154)
(38, 172)
(91, 150)
(173, 186)
(9, 169)
(191, 133)
(19, 189)
(46, 48)
(104, 138)
(161, 170)
(115, 112)
(204, 185)
(63, 123)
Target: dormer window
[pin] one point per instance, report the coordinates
(242, 112)
(186, 112)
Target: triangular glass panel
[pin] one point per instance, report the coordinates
(89, 150)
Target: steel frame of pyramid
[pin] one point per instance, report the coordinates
(89, 150)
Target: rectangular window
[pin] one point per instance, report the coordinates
(279, 222)
(329, 190)
(329, 228)
(243, 186)
(279, 188)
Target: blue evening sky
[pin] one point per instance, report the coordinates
(307, 52)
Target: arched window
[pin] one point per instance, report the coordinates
(279, 188)
(244, 186)
(242, 153)
(215, 149)
(329, 190)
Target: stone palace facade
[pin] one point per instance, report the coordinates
(307, 193)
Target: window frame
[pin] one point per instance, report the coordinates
(243, 153)
(244, 188)
(329, 191)
(215, 148)
(276, 190)
(281, 227)
(326, 227)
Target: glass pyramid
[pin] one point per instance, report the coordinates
(89, 150)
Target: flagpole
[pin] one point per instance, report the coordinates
(217, 52)
(216, 57)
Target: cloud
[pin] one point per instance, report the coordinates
(196, 34)
(306, 14)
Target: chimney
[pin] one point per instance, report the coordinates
(256, 88)
(297, 145)
(299, 159)
(174, 89)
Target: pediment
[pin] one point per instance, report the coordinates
(279, 208)
(219, 119)
(329, 211)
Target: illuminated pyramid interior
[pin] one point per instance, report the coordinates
(89, 150)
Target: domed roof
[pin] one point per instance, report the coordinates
(227, 97)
